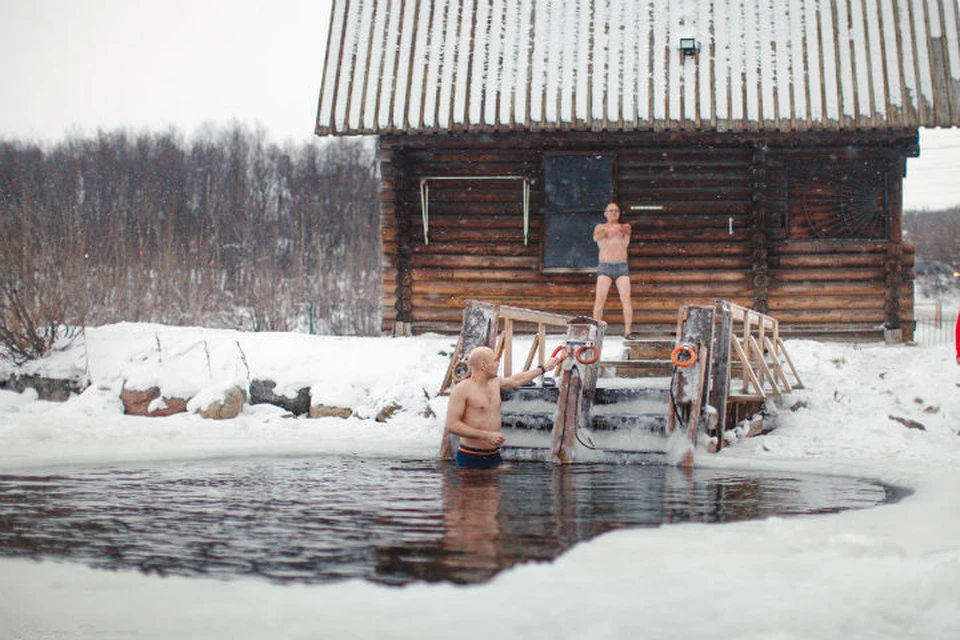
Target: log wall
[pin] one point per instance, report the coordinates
(728, 228)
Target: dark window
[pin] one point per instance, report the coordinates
(837, 198)
(577, 190)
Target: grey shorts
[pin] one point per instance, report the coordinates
(613, 270)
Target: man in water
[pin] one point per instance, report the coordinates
(613, 239)
(474, 409)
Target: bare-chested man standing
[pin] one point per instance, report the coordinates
(613, 239)
(474, 409)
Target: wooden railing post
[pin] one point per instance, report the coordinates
(507, 350)
(690, 383)
(578, 383)
(719, 388)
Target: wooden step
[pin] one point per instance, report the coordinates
(648, 349)
(599, 421)
(646, 368)
(614, 409)
(622, 395)
(862, 332)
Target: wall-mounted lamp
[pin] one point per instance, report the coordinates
(689, 46)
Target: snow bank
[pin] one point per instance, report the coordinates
(888, 572)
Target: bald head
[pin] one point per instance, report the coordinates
(482, 359)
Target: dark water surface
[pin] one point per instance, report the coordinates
(320, 519)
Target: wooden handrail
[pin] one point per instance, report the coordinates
(754, 352)
(542, 319)
(501, 340)
(531, 315)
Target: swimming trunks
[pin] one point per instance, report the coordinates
(613, 270)
(478, 458)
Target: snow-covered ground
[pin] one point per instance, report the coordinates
(888, 572)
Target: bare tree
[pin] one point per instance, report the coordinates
(227, 230)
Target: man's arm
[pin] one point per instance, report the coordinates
(522, 378)
(456, 409)
(599, 233)
(625, 230)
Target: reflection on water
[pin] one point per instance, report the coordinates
(395, 522)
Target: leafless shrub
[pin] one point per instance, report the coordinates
(935, 234)
(227, 230)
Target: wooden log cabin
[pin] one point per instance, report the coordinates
(758, 154)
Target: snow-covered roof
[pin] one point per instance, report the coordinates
(410, 66)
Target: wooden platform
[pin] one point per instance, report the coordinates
(718, 368)
(644, 357)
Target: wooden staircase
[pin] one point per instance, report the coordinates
(613, 409)
(648, 356)
(718, 366)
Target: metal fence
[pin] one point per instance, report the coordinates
(934, 323)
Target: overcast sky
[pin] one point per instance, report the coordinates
(75, 66)
(89, 64)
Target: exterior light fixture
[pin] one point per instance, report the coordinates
(689, 46)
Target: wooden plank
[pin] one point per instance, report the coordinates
(823, 302)
(761, 364)
(746, 369)
(566, 422)
(531, 315)
(688, 392)
(535, 347)
(505, 350)
(801, 275)
(684, 248)
(774, 364)
(838, 316)
(696, 407)
(788, 290)
(830, 247)
(821, 260)
(720, 368)
(782, 351)
(577, 384)
(458, 260)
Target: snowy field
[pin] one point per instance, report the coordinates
(888, 572)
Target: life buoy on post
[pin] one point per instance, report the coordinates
(690, 355)
(594, 353)
(585, 359)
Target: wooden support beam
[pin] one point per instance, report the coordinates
(567, 420)
(749, 376)
(765, 373)
(689, 386)
(506, 352)
(786, 357)
(720, 368)
(577, 385)
(775, 365)
(534, 348)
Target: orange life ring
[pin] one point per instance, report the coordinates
(559, 348)
(683, 348)
(582, 360)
